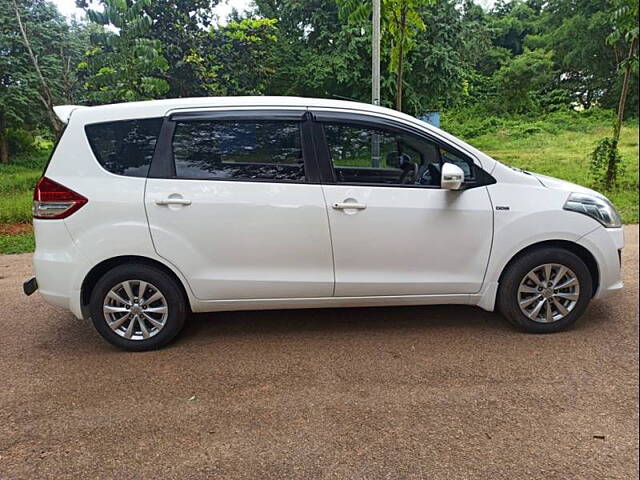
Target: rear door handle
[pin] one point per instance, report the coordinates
(349, 205)
(173, 201)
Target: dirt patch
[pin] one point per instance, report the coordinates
(15, 228)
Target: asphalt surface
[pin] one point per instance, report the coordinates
(420, 392)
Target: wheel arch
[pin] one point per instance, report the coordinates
(104, 266)
(581, 252)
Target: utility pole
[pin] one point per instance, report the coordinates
(375, 78)
(375, 54)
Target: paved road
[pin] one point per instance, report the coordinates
(424, 392)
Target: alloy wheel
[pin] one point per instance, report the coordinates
(135, 310)
(548, 293)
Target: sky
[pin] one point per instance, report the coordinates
(68, 7)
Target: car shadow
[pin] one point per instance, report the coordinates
(78, 336)
(337, 320)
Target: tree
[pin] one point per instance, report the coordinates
(238, 58)
(511, 23)
(625, 32)
(45, 94)
(576, 34)
(37, 51)
(401, 21)
(606, 162)
(522, 80)
(181, 27)
(441, 68)
(124, 62)
(317, 53)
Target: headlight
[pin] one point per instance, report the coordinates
(598, 208)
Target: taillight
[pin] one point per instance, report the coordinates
(52, 200)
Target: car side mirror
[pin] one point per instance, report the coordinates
(451, 177)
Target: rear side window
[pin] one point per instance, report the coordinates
(125, 147)
(254, 150)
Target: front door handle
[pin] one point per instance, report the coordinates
(349, 205)
(173, 201)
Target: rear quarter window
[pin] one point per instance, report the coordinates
(125, 147)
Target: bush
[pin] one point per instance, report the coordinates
(473, 122)
(21, 142)
(606, 164)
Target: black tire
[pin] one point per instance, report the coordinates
(176, 304)
(525, 263)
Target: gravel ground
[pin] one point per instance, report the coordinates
(420, 392)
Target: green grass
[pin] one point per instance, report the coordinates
(556, 144)
(23, 242)
(17, 181)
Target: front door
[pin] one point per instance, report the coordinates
(232, 206)
(394, 230)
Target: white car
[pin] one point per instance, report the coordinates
(150, 210)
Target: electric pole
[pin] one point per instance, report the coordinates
(375, 54)
(375, 79)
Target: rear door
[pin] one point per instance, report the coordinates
(394, 230)
(233, 201)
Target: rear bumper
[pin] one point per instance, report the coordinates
(55, 264)
(606, 245)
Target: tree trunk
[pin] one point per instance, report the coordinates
(625, 90)
(399, 80)
(46, 97)
(400, 75)
(4, 141)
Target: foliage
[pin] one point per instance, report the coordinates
(471, 122)
(317, 54)
(512, 22)
(56, 45)
(606, 163)
(605, 159)
(439, 71)
(125, 64)
(240, 57)
(521, 81)
(401, 21)
(181, 27)
(625, 20)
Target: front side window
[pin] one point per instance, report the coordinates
(239, 150)
(125, 147)
(369, 155)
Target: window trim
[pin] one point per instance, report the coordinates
(327, 168)
(163, 164)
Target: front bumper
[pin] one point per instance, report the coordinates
(606, 245)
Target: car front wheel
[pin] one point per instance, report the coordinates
(545, 290)
(137, 307)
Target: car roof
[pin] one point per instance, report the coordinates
(151, 108)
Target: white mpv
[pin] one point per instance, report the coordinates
(149, 211)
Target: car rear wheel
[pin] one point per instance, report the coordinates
(138, 307)
(545, 290)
